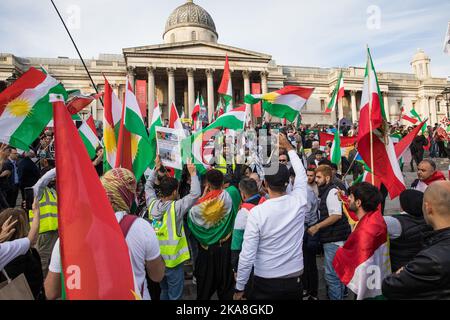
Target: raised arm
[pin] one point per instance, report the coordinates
(42, 183)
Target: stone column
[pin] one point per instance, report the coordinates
(265, 89)
(131, 73)
(171, 86)
(433, 110)
(425, 110)
(246, 76)
(150, 93)
(191, 91)
(210, 90)
(353, 105)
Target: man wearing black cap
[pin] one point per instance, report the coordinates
(407, 230)
(273, 237)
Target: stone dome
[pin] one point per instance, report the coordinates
(190, 15)
(420, 56)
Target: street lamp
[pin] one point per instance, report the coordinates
(446, 95)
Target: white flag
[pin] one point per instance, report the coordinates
(447, 41)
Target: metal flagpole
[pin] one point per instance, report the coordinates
(76, 48)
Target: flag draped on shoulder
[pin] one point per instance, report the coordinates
(226, 88)
(284, 103)
(363, 262)
(90, 237)
(212, 217)
(338, 93)
(374, 145)
(25, 109)
(112, 115)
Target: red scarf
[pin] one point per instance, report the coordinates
(437, 176)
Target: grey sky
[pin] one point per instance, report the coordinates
(322, 33)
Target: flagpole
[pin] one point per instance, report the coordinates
(76, 48)
(369, 64)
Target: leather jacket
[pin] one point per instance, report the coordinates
(427, 276)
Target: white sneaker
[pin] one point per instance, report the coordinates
(194, 280)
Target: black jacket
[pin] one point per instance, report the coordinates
(427, 276)
(28, 173)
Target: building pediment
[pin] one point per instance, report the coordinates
(196, 49)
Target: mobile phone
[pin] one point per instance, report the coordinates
(29, 198)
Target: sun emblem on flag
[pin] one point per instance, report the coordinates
(19, 107)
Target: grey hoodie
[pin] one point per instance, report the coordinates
(182, 206)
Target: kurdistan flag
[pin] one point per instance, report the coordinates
(140, 145)
(284, 103)
(112, 115)
(338, 93)
(88, 134)
(226, 88)
(134, 122)
(212, 217)
(25, 109)
(156, 122)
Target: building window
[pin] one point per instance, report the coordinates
(172, 38)
(193, 36)
(237, 95)
(213, 38)
(414, 105)
(322, 104)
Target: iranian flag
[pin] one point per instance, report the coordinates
(95, 258)
(374, 145)
(25, 109)
(335, 153)
(363, 262)
(112, 115)
(338, 93)
(88, 134)
(411, 116)
(284, 103)
(174, 119)
(226, 88)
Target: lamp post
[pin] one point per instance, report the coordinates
(446, 95)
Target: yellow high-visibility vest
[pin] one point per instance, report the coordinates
(174, 248)
(48, 212)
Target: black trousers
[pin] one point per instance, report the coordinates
(214, 273)
(310, 277)
(276, 289)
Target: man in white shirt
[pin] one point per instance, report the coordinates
(333, 226)
(274, 235)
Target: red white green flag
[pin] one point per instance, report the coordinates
(363, 262)
(374, 145)
(25, 109)
(112, 115)
(338, 93)
(95, 258)
(88, 134)
(411, 116)
(284, 103)
(226, 88)
(174, 119)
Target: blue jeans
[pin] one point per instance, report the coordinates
(172, 284)
(335, 286)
